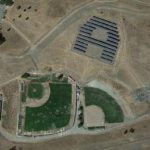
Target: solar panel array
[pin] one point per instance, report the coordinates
(109, 46)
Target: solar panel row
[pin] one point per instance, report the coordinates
(102, 23)
(109, 22)
(92, 24)
(109, 46)
(90, 39)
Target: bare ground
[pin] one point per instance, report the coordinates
(11, 106)
(112, 140)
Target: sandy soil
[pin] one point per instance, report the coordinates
(111, 140)
(11, 106)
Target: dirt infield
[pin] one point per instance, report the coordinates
(39, 102)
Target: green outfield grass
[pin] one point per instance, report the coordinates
(55, 113)
(35, 90)
(113, 112)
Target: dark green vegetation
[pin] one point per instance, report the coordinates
(6, 2)
(35, 90)
(112, 110)
(55, 113)
(25, 75)
(60, 78)
(95, 128)
(0, 108)
(2, 39)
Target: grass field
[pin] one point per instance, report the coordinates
(35, 90)
(113, 112)
(55, 113)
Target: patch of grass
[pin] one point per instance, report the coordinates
(55, 113)
(6, 2)
(35, 90)
(113, 112)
